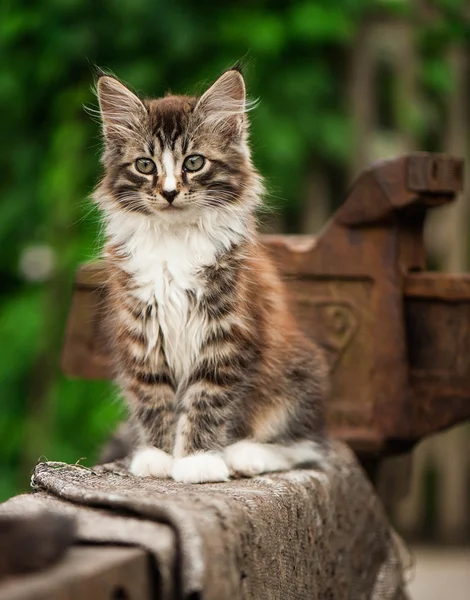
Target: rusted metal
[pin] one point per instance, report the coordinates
(397, 338)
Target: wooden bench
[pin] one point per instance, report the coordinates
(393, 332)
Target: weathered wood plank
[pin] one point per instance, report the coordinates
(87, 573)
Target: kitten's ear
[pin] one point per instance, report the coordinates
(223, 106)
(121, 110)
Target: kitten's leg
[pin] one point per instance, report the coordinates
(143, 374)
(249, 458)
(154, 411)
(201, 435)
(210, 404)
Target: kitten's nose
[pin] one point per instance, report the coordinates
(169, 196)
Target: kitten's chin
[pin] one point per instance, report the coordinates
(176, 214)
(171, 208)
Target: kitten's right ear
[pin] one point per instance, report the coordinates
(121, 110)
(223, 105)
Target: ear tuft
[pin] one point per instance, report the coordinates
(223, 105)
(99, 72)
(237, 67)
(121, 109)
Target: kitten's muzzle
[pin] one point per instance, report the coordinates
(169, 196)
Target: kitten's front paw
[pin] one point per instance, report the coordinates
(249, 459)
(200, 468)
(151, 462)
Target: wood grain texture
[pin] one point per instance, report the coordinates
(87, 573)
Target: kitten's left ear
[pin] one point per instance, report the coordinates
(223, 106)
(121, 110)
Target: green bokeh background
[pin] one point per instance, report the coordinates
(296, 53)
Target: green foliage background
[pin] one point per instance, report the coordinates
(296, 52)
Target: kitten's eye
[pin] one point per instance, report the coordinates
(145, 165)
(194, 162)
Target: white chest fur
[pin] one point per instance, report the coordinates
(167, 264)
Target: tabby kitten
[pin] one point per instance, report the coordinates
(215, 371)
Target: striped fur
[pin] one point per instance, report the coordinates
(216, 373)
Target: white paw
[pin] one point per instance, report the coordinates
(200, 468)
(250, 458)
(151, 462)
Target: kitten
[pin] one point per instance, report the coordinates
(215, 371)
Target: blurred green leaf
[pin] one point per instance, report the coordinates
(317, 23)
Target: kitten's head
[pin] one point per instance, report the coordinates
(176, 158)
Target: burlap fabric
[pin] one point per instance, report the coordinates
(303, 534)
